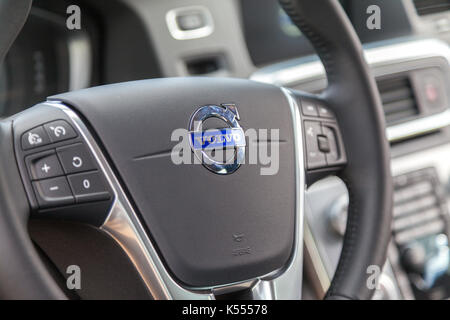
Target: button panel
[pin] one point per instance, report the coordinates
(324, 147)
(62, 172)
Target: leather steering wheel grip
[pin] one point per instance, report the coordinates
(352, 93)
(13, 15)
(22, 273)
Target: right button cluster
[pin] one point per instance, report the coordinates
(324, 147)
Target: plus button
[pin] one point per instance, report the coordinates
(46, 168)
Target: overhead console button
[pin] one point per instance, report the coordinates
(192, 21)
(35, 138)
(53, 192)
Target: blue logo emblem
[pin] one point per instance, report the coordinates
(231, 137)
(218, 138)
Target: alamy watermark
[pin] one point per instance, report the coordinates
(262, 148)
(373, 279)
(73, 21)
(73, 281)
(373, 22)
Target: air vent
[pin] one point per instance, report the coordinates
(419, 206)
(398, 99)
(425, 7)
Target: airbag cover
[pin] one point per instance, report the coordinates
(197, 219)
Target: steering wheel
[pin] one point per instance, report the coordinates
(139, 161)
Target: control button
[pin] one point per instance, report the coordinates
(191, 21)
(333, 156)
(53, 192)
(431, 89)
(315, 158)
(44, 165)
(309, 108)
(75, 158)
(323, 143)
(324, 112)
(34, 138)
(60, 130)
(88, 186)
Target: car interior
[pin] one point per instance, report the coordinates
(350, 97)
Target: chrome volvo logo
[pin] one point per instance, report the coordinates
(223, 139)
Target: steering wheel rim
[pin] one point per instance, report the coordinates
(353, 94)
(368, 226)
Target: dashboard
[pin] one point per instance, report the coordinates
(271, 36)
(122, 40)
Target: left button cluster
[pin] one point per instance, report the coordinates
(61, 173)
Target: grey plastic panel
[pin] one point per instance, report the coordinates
(226, 40)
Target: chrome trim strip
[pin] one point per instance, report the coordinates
(320, 271)
(123, 225)
(419, 126)
(288, 284)
(376, 57)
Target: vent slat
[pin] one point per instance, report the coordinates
(395, 95)
(424, 7)
(400, 106)
(397, 117)
(398, 99)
